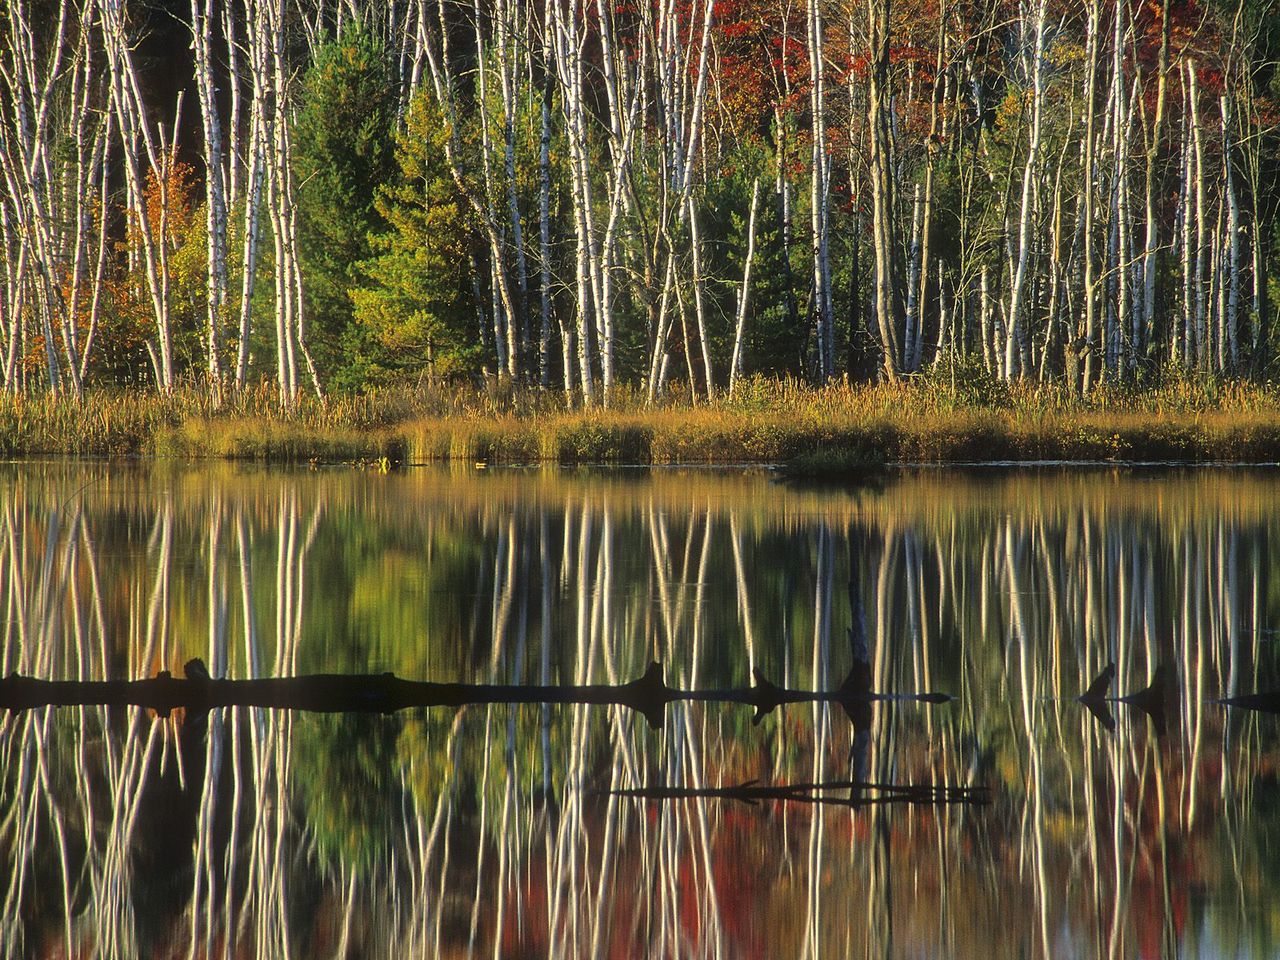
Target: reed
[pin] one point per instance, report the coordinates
(766, 421)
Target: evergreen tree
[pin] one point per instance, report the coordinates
(344, 150)
(411, 302)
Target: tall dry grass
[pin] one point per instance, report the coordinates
(926, 419)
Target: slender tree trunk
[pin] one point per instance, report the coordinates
(215, 190)
(932, 147)
(819, 195)
(1184, 349)
(544, 228)
(508, 39)
(1201, 356)
(878, 121)
(136, 134)
(1088, 174)
(695, 248)
(1028, 213)
(782, 190)
(1155, 149)
(744, 293)
(914, 334)
(1231, 355)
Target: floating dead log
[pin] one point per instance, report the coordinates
(1264, 702)
(386, 693)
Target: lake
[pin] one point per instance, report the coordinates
(1010, 821)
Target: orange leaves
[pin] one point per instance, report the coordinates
(169, 202)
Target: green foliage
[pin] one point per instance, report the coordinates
(343, 152)
(774, 340)
(409, 300)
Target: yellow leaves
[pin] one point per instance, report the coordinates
(1009, 110)
(1065, 53)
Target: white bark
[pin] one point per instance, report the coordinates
(28, 81)
(139, 143)
(819, 196)
(1154, 152)
(438, 64)
(544, 237)
(1184, 338)
(1088, 173)
(1200, 355)
(215, 189)
(912, 334)
(695, 248)
(508, 43)
(1230, 354)
(504, 320)
(1027, 212)
(744, 292)
(882, 182)
(683, 109)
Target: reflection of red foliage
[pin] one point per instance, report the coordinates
(1166, 871)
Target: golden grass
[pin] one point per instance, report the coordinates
(767, 421)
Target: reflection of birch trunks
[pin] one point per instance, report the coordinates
(535, 827)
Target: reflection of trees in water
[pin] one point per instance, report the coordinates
(490, 831)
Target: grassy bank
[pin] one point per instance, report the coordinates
(766, 422)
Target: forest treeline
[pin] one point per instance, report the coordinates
(328, 194)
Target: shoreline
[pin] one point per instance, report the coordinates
(827, 430)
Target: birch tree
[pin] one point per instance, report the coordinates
(202, 20)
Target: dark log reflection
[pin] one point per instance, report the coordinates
(860, 794)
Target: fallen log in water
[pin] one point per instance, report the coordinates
(386, 693)
(1264, 702)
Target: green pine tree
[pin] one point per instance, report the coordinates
(344, 149)
(411, 300)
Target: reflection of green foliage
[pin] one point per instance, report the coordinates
(411, 605)
(346, 771)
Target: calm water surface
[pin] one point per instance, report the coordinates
(491, 831)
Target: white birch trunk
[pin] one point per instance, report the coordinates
(442, 83)
(878, 119)
(1089, 293)
(137, 137)
(544, 233)
(744, 292)
(1027, 210)
(1201, 355)
(215, 190)
(912, 333)
(695, 249)
(503, 320)
(819, 194)
(508, 42)
(683, 108)
(1184, 345)
(1231, 355)
(1154, 152)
